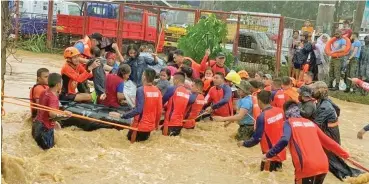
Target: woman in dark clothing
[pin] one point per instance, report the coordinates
(138, 64)
(326, 117)
(301, 55)
(307, 106)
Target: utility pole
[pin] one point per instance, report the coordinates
(360, 8)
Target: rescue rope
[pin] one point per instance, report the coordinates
(357, 165)
(49, 109)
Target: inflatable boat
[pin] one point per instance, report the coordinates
(92, 111)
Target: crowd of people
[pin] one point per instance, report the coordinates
(273, 111)
(307, 53)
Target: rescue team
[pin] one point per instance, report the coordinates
(267, 110)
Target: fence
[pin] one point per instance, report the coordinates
(254, 38)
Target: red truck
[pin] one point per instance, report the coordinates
(139, 26)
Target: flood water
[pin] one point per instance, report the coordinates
(208, 154)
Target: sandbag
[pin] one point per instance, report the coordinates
(93, 111)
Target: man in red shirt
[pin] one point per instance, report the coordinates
(38, 88)
(306, 142)
(148, 109)
(219, 97)
(217, 65)
(277, 94)
(269, 129)
(195, 104)
(177, 97)
(43, 127)
(74, 73)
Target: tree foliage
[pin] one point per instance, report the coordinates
(207, 33)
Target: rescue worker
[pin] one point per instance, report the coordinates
(306, 142)
(115, 87)
(255, 89)
(277, 96)
(326, 117)
(269, 129)
(219, 98)
(85, 45)
(147, 111)
(38, 88)
(290, 93)
(244, 75)
(72, 74)
(44, 124)
(361, 133)
(216, 65)
(244, 112)
(177, 97)
(267, 80)
(195, 104)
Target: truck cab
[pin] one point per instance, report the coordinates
(256, 47)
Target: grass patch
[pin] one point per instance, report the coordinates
(350, 97)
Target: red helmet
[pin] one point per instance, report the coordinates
(70, 52)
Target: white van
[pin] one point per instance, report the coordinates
(39, 9)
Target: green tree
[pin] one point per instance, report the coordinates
(207, 33)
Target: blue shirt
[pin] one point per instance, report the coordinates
(338, 44)
(120, 87)
(357, 44)
(246, 103)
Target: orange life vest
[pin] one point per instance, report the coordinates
(176, 108)
(150, 116)
(279, 99)
(87, 46)
(308, 156)
(255, 107)
(273, 131)
(193, 111)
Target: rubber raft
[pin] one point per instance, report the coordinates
(94, 111)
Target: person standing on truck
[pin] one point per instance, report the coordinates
(138, 64)
(38, 88)
(74, 73)
(217, 65)
(147, 111)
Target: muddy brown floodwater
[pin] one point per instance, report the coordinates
(208, 154)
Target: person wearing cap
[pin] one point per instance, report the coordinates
(85, 45)
(217, 65)
(219, 98)
(269, 129)
(268, 79)
(73, 73)
(307, 102)
(244, 75)
(244, 114)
